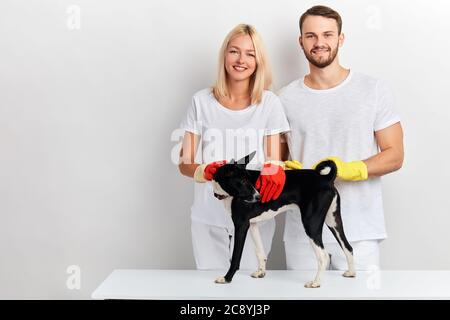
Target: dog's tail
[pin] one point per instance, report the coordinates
(328, 169)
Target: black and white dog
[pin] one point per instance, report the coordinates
(312, 191)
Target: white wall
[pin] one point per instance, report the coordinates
(86, 117)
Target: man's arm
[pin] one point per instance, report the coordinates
(390, 157)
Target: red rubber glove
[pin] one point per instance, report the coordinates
(211, 168)
(270, 182)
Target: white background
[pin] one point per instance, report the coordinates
(88, 105)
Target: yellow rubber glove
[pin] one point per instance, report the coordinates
(350, 171)
(292, 165)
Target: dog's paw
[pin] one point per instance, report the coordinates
(312, 284)
(259, 274)
(221, 280)
(349, 274)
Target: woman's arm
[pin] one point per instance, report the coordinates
(284, 149)
(272, 147)
(271, 181)
(187, 163)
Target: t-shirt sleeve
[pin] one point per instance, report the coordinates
(190, 122)
(385, 113)
(277, 121)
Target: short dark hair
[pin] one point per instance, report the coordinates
(322, 11)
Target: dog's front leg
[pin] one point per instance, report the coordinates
(240, 233)
(260, 254)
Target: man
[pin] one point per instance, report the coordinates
(336, 112)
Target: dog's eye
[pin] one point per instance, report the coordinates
(239, 184)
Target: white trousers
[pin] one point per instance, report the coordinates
(300, 256)
(213, 246)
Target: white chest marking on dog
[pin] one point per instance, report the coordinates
(271, 213)
(227, 204)
(218, 189)
(227, 201)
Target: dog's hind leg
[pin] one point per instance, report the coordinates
(260, 254)
(323, 260)
(313, 218)
(334, 222)
(240, 233)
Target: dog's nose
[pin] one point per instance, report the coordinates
(255, 197)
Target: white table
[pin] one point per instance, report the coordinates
(278, 284)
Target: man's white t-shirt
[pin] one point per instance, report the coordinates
(229, 134)
(341, 122)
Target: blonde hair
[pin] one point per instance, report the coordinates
(260, 80)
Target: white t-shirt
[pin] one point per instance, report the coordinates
(227, 134)
(341, 122)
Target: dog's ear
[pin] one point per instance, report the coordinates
(246, 160)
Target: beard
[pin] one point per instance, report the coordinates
(322, 62)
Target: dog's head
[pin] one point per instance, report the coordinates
(232, 180)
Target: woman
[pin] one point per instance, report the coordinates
(232, 119)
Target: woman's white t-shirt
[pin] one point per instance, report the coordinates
(227, 134)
